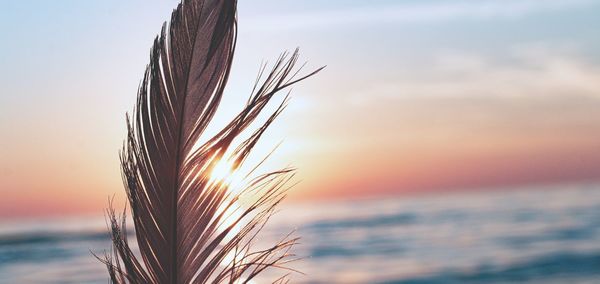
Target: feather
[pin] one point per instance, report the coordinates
(187, 225)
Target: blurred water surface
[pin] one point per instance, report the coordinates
(542, 235)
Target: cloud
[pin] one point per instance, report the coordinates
(529, 74)
(425, 11)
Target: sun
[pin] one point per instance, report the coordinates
(226, 176)
(222, 172)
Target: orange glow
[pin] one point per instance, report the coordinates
(227, 177)
(222, 171)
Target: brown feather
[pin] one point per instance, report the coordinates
(178, 213)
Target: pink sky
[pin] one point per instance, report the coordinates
(411, 101)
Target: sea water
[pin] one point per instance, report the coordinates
(519, 235)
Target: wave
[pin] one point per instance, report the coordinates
(370, 222)
(544, 269)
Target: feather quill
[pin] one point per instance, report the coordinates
(184, 227)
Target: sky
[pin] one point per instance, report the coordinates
(418, 96)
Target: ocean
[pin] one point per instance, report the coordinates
(520, 235)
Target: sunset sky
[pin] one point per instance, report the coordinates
(418, 96)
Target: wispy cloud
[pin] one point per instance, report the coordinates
(426, 11)
(532, 73)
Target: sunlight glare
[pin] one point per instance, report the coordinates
(222, 172)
